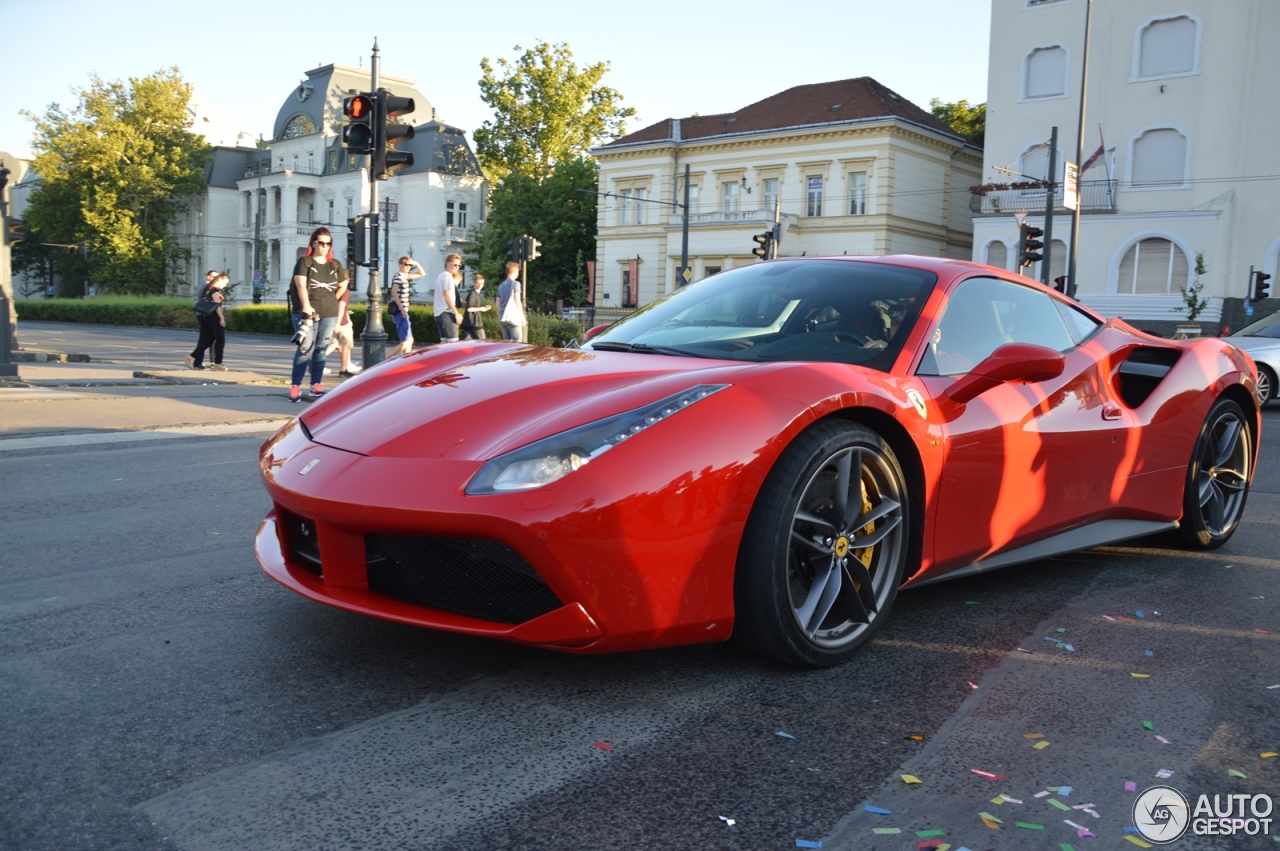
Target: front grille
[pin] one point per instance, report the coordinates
(300, 538)
(468, 576)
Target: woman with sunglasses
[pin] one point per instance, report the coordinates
(318, 282)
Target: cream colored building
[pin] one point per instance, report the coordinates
(1184, 93)
(857, 168)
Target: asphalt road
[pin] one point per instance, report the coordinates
(157, 691)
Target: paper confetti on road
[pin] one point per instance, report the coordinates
(1033, 735)
(989, 817)
(1277, 685)
(973, 685)
(1061, 629)
(783, 735)
(1164, 773)
(1073, 824)
(925, 834)
(1139, 613)
(1085, 832)
(1130, 786)
(1147, 725)
(1257, 598)
(971, 602)
(886, 831)
(1126, 620)
(1040, 794)
(1027, 826)
(988, 774)
(911, 779)
(1065, 846)
(930, 843)
(1059, 805)
(998, 800)
(1140, 676)
(603, 746)
(991, 824)
(1020, 650)
(1231, 772)
(728, 821)
(1263, 631)
(1162, 740)
(1268, 754)
(1070, 649)
(807, 843)
(880, 811)
(915, 738)
(1108, 617)
(1061, 790)
(1136, 841)
(1149, 653)
(1040, 745)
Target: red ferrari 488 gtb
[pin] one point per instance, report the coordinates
(771, 453)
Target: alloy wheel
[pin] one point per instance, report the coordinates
(1223, 472)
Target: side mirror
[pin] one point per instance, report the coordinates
(596, 330)
(1010, 362)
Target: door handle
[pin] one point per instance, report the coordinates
(1111, 412)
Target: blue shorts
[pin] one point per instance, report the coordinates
(404, 330)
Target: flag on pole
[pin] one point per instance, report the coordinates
(1097, 155)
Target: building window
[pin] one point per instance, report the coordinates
(448, 213)
(814, 206)
(462, 215)
(311, 212)
(330, 212)
(624, 208)
(693, 198)
(1153, 266)
(299, 125)
(858, 193)
(998, 255)
(710, 270)
(729, 197)
(1045, 73)
(311, 162)
(640, 196)
(1034, 162)
(349, 214)
(769, 193)
(628, 297)
(333, 162)
(1167, 48)
(1159, 159)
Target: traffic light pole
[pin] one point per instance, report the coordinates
(684, 232)
(1050, 191)
(374, 338)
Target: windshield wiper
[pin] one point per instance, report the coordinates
(645, 349)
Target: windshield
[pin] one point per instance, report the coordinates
(1267, 326)
(803, 310)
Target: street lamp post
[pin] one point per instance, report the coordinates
(374, 337)
(1084, 91)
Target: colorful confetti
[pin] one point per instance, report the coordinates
(603, 746)
(880, 811)
(1040, 745)
(783, 735)
(1147, 725)
(1140, 676)
(911, 779)
(886, 831)
(1231, 772)
(1130, 786)
(1162, 740)
(1136, 841)
(1028, 826)
(1055, 802)
(807, 843)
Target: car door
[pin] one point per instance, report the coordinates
(1023, 460)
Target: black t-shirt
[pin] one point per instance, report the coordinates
(475, 298)
(322, 283)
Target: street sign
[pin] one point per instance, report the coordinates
(687, 274)
(1071, 186)
(257, 274)
(393, 211)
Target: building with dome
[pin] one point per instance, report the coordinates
(303, 178)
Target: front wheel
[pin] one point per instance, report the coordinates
(1266, 385)
(1217, 482)
(825, 547)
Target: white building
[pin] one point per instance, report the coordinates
(1184, 94)
(858, 170)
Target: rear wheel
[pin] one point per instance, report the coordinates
(825, 547)
(1218, 477)
(1266, 384)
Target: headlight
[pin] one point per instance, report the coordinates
(555, 457)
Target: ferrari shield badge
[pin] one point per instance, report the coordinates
(310, 464)
(918, 402)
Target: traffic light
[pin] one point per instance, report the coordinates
(1260, 286)
(13, 231)
(362, 243)
(1029, 245)
(762, 241)
(351, 247)
(531, 247)
(515, 250)
(386, 159)
(358, 116)
(1060, 284)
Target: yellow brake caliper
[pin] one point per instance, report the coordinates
(864, 555)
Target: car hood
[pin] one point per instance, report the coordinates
(1254, 344)
(474, 401)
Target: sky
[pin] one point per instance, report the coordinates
(668, 59)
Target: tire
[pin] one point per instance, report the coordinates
(1217, 484)
(805, 593)
(1266, 385)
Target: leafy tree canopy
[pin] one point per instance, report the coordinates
(546, 110)
(556, 213)
(114, 172)
(969, 121)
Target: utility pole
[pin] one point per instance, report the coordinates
(374, 337)
(777, 228)
(386, 237)
(1048, 207)
(1084, 91)
(685, 275)
(8, 316)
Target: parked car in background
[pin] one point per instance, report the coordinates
(1261, 340)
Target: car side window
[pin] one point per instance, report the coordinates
(1079, 323)
(982, 315)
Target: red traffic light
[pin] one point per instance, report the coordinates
(357, 106)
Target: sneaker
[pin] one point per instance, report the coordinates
(217, 367)
(190, 362)
(317, 390)
(347, 373)
(295, 393)
(327, 371)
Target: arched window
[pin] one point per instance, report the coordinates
(1159, 159)
(299, 125)
(998, 254)
(1152, 266)
(1045, 73)
(1034, 162)
(1167, 48)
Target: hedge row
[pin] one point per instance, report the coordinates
(261, 318)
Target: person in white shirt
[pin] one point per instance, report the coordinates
(446, 303)
(511, 307)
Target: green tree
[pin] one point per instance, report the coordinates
(554, 211)
(969, 121)
(115, 173)
(546, 110)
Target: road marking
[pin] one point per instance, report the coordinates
(1146, 552)
(89, 439)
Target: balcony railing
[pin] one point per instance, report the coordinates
(1096, 196)
(300, 168)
